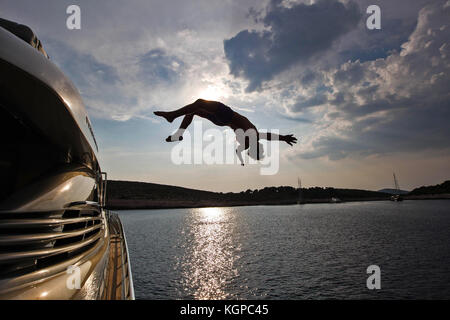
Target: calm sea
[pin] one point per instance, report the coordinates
(312, 251)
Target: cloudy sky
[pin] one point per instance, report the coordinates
(363, 103)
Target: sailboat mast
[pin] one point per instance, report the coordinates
(299, 191)
(397, 187)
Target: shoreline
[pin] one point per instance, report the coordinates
(143, 204)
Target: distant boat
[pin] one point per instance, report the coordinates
(335, 200)
(396, 197)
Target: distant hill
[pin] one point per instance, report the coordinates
(153, 191)
(140, 195)
(393, 191)
(443, 188)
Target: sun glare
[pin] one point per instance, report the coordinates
(212, 92)
(212, 213)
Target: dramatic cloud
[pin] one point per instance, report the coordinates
(156, 65)
(397, 104)
(84, 69)
(291, 35)
(310, 68)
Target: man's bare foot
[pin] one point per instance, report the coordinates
(169, 139)
(164, 115)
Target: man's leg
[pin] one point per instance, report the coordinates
(187, 120)
(193, 108)
(178, 135)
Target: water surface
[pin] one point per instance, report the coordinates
(312, 251)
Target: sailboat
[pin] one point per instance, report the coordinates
(335, 200)
(396, 197)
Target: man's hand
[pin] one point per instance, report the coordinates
(289, 139)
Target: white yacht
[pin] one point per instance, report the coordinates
(53, 221)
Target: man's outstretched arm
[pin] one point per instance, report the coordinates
(289, 138)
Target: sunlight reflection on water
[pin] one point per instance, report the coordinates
(317, 251)
(208, 262)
